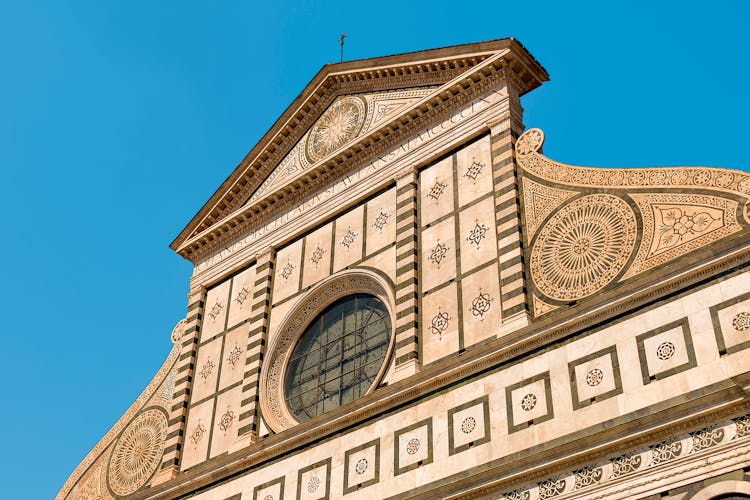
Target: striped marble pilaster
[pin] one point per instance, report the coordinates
(407, 276)
(256, 345)
(183, 382)
(503, 135)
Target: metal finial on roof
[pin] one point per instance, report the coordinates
(341, 42)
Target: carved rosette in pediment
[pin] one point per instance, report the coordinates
(348, 117)
(588, 229)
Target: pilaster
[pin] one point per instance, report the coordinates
(407, 277)
(185, 373)
(256, 348)
(503, 135)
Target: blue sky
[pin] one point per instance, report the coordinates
(119, 119)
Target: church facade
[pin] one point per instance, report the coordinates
(397, 295)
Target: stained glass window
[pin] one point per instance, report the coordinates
(338, 357)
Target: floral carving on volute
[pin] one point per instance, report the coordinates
(679, 224)
(340, 123)
(583, 247)
(540, 201)
(676, 224)
(530, 142)
(137, 453)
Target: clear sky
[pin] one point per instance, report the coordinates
(119, 119)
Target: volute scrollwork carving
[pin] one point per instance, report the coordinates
(590, 228)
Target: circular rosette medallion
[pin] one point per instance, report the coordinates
(583, 247)
(137, 453)
(340, 123)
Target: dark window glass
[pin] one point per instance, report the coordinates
(338, 357)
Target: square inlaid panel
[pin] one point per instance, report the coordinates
(595, 377)
(288, 271)
(207, 365)
(440, 322)
(468, 425)
(436, 197)
(474, 171)
(666, 350)
(215, 311)
(529, 402)
(316, 264)
(731, 320)
(477, 234)
(197, 434)
(362, 466)
(314, 481)
(412, 446)
(240, 299)
(348, 239)
(438, 254)
(272, 490)
(234, 355)
(381, 221)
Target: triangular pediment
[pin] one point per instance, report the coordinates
(347, 112)
(346, 119)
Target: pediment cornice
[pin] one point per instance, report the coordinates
(462, 72)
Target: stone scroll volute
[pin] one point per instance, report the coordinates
(588, 229)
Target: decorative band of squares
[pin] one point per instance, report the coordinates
(594, 377)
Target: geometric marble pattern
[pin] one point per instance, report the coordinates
(595, 377)
(666, 350)
(362, 466)
(412, 446)
(529, 402)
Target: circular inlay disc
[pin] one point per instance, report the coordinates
(340, 123)
(583, 247)
(137, 453)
